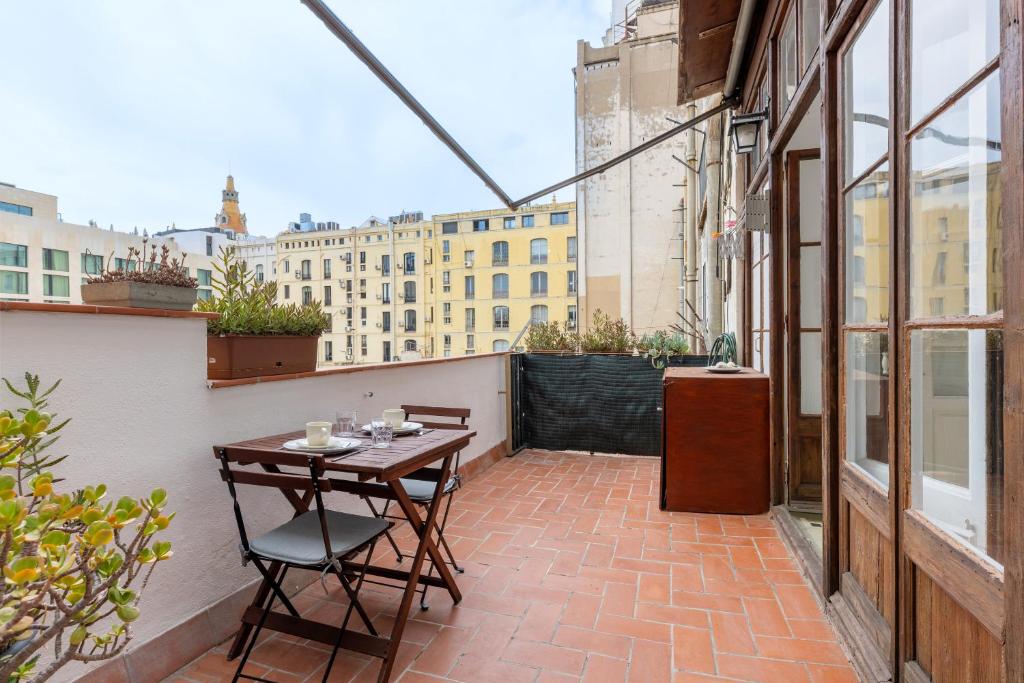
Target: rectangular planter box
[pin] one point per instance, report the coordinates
(235, 357)
(130, 294)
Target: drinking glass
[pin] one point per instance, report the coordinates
(380, 433)
(345, 422)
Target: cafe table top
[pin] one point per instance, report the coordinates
(405, 454)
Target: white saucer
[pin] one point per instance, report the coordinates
(406, 428)
(336, 444)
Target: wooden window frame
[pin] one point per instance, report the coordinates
(969, 577)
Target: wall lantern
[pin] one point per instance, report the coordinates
(744, 129)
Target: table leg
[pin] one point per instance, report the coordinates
(424, 528)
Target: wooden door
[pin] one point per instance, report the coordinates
(803, 325)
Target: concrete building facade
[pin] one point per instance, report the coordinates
(630, 220)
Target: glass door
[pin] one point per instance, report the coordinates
(803, 334)
(867, 550)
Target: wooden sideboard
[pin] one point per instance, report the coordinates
(715, 442)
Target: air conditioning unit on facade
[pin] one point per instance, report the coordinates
(379, 297)
(349, 328)
(399, 266)
(378, 325)
(377, 267)
(401, 326)
(469, 264)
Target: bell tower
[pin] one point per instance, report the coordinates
(230, 218)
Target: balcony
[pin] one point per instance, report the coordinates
(572, 570)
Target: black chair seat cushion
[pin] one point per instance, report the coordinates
(301, 541)
(423, 491)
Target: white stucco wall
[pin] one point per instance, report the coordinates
(143, 416)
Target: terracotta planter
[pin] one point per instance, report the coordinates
(128, 294)
(235, 357)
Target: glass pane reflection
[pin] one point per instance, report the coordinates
(867, 249)
(955, 236)
(867, 402)
(956, 452)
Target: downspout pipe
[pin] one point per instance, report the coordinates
(690, 231)
(713, 224)
(739, 47)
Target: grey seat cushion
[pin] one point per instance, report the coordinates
(300, 541)
(423, 491)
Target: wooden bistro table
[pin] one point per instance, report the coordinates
(378, 472)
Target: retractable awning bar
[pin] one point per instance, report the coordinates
(345, 35)
(615, 161)
(342, 32)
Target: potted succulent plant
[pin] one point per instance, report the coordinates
(74, 566)
(143, 281)
(253, 335)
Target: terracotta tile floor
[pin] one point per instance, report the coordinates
(572, 573)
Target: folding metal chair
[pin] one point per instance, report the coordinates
(317, 539)
(420, 485)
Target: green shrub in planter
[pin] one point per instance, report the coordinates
(248, 307)
(608, 336)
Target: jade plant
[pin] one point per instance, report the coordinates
(140, 266)
(75, 563)
(249, 307)
(661, 346)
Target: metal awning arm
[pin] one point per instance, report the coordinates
(342, 32)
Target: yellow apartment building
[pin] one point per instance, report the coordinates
(454, 284)
(498, 270)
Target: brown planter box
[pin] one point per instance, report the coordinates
(130, 294)
(238, 356)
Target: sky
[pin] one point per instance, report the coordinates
(132, 112)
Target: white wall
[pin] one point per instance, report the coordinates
(628, 217)
(143, 416)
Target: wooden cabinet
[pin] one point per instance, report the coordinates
(715, 442)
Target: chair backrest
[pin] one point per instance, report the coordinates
(460, 414)
(309, 479)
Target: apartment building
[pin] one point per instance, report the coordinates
(498, 270)
(44, 259)
(630, 225)
(453, 284)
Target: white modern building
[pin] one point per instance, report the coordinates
(44, 259)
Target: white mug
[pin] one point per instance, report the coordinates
(395, 417)
(318, 434)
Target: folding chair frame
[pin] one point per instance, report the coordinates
(333, 564)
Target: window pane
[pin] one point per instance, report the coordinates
(866, 94)
(809, 18)
(867, 249)
(867, 402)
(951, 41)
(810, 286)
(810, 373)
(956, 407)
(13, 255)
(955, 236)
(13, 282)
(787, 62)
(56, 285)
